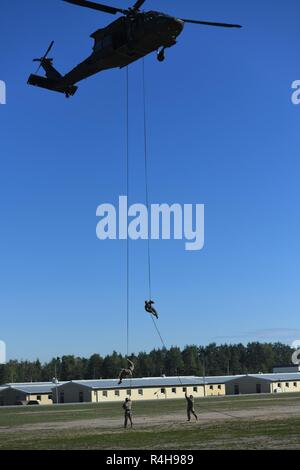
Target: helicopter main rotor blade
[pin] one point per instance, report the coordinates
(209, 23)
(97, 6)
(138, 4)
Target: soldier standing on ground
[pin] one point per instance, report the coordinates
(190, 407)
(127, 407)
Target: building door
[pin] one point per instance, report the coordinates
(62, 397)
(81, 397)
(236, 389)
(258, 388)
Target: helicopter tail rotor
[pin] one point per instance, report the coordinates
(44, 58)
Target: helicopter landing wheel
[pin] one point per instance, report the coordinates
(161, 56)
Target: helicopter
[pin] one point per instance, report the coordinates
(131, 37)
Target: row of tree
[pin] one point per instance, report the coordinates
(192, 360)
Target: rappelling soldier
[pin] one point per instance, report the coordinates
(126, 372)
(150, 309)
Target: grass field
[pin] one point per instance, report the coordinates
(248, 422)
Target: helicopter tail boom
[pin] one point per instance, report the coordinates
(54, 80)
(53, 85)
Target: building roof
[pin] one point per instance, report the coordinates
(278, 377)
(33, 387)
(286, 366)
(152, 382)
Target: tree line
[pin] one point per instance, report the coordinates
(192, 360)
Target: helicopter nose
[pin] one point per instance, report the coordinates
(178, 25)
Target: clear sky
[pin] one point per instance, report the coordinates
(222, 132)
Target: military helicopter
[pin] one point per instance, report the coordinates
(132, 36)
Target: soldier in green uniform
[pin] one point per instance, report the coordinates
(190, 407)
(127, 407)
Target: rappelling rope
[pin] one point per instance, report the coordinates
(127, 238)
(146, 173)
(147, 192)
(159, 334)
(127, 191)
(148, 198)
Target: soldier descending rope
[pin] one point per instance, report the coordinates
(126, 372)
(150, 309)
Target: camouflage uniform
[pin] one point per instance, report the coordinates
(190, 407)
(127, 407)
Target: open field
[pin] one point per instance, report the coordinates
(248, 422)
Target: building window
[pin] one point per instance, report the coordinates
(129, 393)
(39, 397)
(287, 385)
(211, 387)
(50, 397)
(279, 385)
(174, 390)
(141, 392)
(195, 389)
(184, 389)
(163, 391)
(295, 384)
(104, 393)
(117, 393)
(219, 387)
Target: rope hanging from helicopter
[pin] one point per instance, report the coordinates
(149, 303)
(127, 192)
(131, 365)
(147, 185)
(147, 195)
(146, 173)
(148, 204)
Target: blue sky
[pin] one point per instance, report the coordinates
(222, 132)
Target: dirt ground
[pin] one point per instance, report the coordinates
(269, 413)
